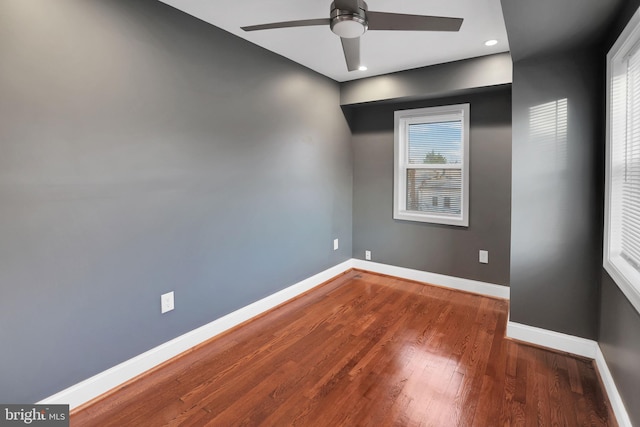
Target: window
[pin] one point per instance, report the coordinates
(622, 197)
(432, 164)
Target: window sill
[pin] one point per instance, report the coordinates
(432, 219)
(626, 277)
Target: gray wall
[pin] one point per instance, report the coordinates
(143, 151)
(557, 280)
(620, 344)
(557, 195)
(436, 248)
(619, 321)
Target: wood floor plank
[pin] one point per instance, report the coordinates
(364, 350)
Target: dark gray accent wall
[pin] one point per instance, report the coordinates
(453, 78)
(429, 247)
(619, 321)
(144, 151)
(556, 235)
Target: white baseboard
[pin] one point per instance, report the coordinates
(101, 383)
(93, 387)
(622, 416)
(581, 347)
(554, 340)
(473, 286)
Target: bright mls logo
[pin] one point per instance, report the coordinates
(34, 415)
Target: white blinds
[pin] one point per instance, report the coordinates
(434, 172)
(621, 247)
(435, 143)
(630, 153)
(431, 170)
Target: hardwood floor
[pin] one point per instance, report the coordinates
(364, 350)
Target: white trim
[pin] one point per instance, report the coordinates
(554, 340)
(101, 383)
(622, 416)
(626, 277)
(581, 347)
(468, 285)
(93, 387)
(402, 120)
(620, 271)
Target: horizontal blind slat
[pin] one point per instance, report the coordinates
(436, 143)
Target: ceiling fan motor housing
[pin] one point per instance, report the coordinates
(348, 23)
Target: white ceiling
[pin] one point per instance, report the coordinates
(382, 52)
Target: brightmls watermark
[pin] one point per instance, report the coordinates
(34, 415)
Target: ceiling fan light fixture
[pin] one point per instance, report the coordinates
(348, 26)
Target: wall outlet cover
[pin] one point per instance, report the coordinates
(166, 302)
(335, 244)
(367, 255)
(484, 257)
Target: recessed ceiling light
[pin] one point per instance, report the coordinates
(363, 68)
(492, 42)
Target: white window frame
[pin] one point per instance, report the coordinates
(626, 277)
(402, 120)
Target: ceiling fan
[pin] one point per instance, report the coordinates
(350, 19)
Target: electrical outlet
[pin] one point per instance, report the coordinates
(484, 257)
(367, 255)
(335, 244)
(166, 302)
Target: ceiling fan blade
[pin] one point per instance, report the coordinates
(402, 22)
(288, 24)
(351, 48)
